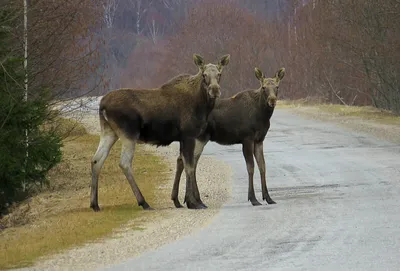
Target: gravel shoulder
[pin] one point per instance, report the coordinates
(150, 232)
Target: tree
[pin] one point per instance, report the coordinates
(213, 28)
(352, 48)
(19, 173)
(63, 62)
(65, 33)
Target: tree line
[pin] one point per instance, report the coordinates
(336, 51)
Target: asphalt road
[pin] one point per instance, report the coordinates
(338, 207)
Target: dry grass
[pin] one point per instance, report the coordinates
(381, 123)
(362, 112)
(65, 127)
(309, 101)
(60, 218)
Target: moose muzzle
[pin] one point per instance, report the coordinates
(214, 91)
(271, 101)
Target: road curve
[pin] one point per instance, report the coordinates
(338, 207)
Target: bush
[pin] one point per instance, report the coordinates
(20, 173)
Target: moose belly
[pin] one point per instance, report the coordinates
(226, 136)
(160, 133)
(194, 128)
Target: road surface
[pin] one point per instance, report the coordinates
(338, 207)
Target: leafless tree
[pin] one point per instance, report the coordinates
(110, 8)
(140, 9)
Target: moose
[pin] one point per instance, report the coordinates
(176, 111)
(242, 119)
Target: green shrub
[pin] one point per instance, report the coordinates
(20, 173)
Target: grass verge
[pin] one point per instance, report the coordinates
(59, 217)
(364, 112)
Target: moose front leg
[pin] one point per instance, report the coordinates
(198, 150)
(199, 146)
(259, 155)
(248, 150)
(189, 166)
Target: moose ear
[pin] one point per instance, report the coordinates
(280, 74)
(224, 61)
(198, 60)
(258, 73)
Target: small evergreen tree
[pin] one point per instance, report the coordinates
(20, 173)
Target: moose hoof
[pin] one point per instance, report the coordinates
(200, 206)
(203, 205)
(255, 202)
(95, 207)
(195, 205)
(269, 200)
(145, 206)
(178, 204)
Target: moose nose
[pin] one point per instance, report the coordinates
(272, 101)
(214, 91)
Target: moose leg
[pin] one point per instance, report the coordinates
(178, 174)
(175, 188)
(199, 146)
(128, 149)
(107, 140)
(188, 163)
(198, 150)
(259, 155)
(248, 150)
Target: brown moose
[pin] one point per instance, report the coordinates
(242, 119)
(176, 111)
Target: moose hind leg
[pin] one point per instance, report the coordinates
(259, 155)
(105, 145)
(128, 149)
(175, 188)
(248, 149)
